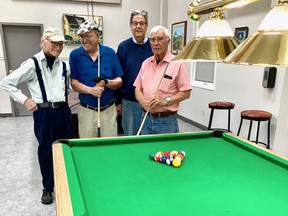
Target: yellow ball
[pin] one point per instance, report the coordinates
(176, 163)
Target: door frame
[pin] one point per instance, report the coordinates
(3, 24)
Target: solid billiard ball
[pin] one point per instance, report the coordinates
(163, 159)
(176, 163)
(151, 156)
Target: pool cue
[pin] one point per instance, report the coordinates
(98, 108)
(144, 119)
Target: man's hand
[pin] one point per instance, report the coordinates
(30, 105)
(96, 91)
(101, 81)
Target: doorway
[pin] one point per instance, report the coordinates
(20, 42)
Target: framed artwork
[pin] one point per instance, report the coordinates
(178, 34)
(241, 33)
(71, 24)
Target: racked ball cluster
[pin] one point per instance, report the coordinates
(173, 158)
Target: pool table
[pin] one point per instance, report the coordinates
(220, 175)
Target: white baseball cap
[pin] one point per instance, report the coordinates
(54, 34)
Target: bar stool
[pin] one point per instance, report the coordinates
(259, 116)
(220, 105)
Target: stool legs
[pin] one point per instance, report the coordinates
(268, 136)
(229, 120)
(257, 134)
(250, 128)
(241, 121)
(210, 119)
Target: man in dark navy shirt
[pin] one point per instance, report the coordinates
(131, 53)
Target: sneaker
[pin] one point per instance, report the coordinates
(47, 197)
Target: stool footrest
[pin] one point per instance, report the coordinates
(265, 144)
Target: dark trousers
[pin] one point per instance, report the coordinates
(50, 124)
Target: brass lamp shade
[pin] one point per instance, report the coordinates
(262, 48)
(207, 48)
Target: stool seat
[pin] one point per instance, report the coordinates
(259, 116)
(220, 105)
(256, 115)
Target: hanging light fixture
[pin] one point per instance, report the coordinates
(269, 44)
(214, 39)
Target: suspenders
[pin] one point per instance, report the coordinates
(41, 83)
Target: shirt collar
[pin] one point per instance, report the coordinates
(42, 56)
(167, 58)
(84, 52)
(135, 41)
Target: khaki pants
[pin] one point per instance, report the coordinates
(88, 122)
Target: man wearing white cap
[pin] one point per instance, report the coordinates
(47, 80)
(95, 74)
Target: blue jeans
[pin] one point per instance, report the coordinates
(131, 117)
(154, 125)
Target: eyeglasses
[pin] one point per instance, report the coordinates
(86, 36)
(141, 12)
(134, 23)
(56, 44)
(159, 39)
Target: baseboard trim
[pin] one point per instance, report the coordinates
(6, 115)
(189, 121)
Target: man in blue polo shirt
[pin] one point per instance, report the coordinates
(92, 86)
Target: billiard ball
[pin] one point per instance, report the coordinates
(152, 156)
(163, 159)
(176, 163)
(183, 153)
(157, 157)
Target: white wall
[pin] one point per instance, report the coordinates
(241, 85)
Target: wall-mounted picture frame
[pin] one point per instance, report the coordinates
(71, 24)
(178, 36)
(241, 33)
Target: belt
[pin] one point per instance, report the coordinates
(162, 114)
(52, 104)
(95, 108)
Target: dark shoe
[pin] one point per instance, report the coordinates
(47, 197)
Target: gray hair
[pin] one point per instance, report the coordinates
(139, 12)
(157, 28)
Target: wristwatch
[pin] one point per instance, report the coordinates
(168, 100)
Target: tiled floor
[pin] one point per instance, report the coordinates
(20, 178)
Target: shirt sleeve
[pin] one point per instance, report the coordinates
(23, 74)
(183, 79)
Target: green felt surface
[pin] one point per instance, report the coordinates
(219, 176)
